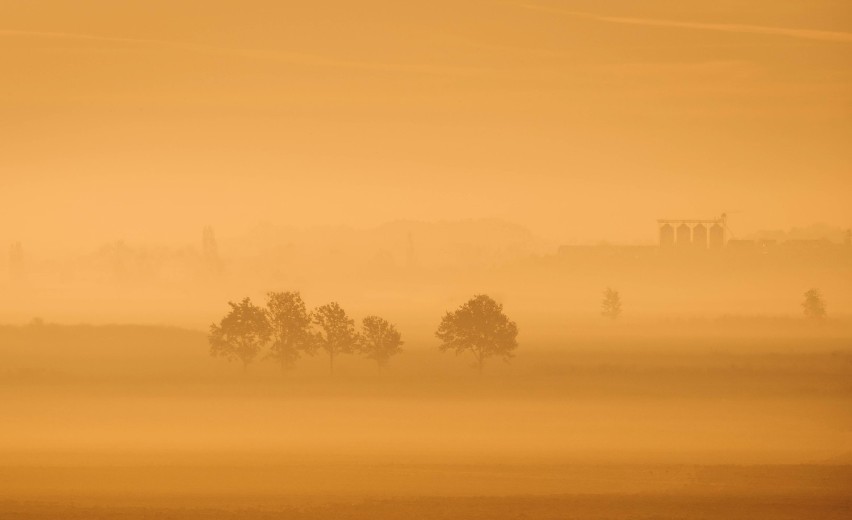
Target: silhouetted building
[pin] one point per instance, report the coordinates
(699, 236)
(684, 235)
(741, 245)
(667, 237)
(693, 232)
(717, 236)
(808, 243)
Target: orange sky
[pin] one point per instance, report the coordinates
(583, 119)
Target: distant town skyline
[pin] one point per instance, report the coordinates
(580, 120)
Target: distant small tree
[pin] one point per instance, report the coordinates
(481, 328)
(611, 305)
(241, 334)
(290, 324)
(379, 340)
(337, 331)
(814, 305)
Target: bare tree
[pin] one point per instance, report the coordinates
(379, 340)
(481, 328)
(290, 324)
(337, 331)
(814, 305)
(611, 305)
(241, 334)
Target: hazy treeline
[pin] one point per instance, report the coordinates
(289, 330)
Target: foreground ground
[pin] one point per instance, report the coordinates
(140, 423)
(658, 507)
(441, 492)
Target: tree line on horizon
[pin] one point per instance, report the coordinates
(286, 327)
(288, 330)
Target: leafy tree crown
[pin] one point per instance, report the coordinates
(814, 305)
(337, 333)
(290, 324)
(241, 334)
(379, 339)
(480, 327)
(611, 305)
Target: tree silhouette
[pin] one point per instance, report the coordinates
(337, 331)
(481, 328)
(290, 325)
(611, 305)
(814, 305)
(241, 333)
(379, 340)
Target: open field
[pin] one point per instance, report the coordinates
(138, 422)
(442, 492)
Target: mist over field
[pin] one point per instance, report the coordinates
(739, 417)
(456, 259)
(643, 381)
(415, 271)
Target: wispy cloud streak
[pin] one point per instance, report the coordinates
(274, 55)
(807, 34)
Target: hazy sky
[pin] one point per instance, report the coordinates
(582, 119)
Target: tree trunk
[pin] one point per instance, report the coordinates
(331, 362)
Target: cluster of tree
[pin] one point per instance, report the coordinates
(478, 327)
(289, 331)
